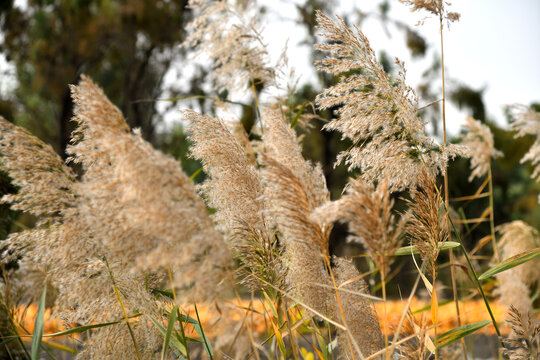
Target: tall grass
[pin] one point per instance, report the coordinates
(134, 260)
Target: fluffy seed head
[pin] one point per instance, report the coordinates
(428, 225)
(479, 141)
(376, 112)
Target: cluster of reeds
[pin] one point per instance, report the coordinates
(125, 245)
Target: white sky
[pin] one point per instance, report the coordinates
(495, 45)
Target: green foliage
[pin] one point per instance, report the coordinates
(449, 337)
(122, 45)
(511, 263)
(38, 326)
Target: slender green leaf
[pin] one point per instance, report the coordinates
(455, 334)
(170, 327)
(477, 281)
(81, 329)
(298, 114)
(38, 325)
(406, 250)
(177, 344)
(511, 262)
(194, 175)
(60, 347)
(168, 293)
(428, 307)
(8, 340)
(187, 319)
(271, 303)
(198, 328)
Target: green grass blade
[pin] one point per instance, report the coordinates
(8, 340)
(406, 250)
(81, 329)
(194, 175)
(198, 328)
(455, 334)
(38, 325)
(428, 307)
(168, 293)
(476, 280)
(170, 327)
(187, 319)
(511, 262)
(60, 347)
(298, 114)
(177, 344)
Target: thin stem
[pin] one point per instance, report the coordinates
(119, 298)
(405, 310)
(435, 313)
(169, 272)
(293, 342)
(202, 333)
(257, 108)
(428, 105)
(478, 284)
(385, 319)
(492, 216)
(446, 190)
(171, 281)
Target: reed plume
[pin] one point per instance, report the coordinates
(376, 112)
(524, 342)
(60, 247)
(233, 187)
(305, 241)
(513, 285)
(527, 122)
(360, 315)
(235, 190)
(415, 349)
(227, 33)
(428, 226)
(479, 140)
(132, 214)
(435, 7)
(368, 211)
(139, 201)
(294, 189)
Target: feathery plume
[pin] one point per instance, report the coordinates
(45, 187)
(524, 342)
(362, 321)
(59, 247)
(377, 112)
(527, 122)
(235, 190)
(368, 211)
(233, 187)
(435, 7)
(513, 285)
(131, 202)
(138, 201)
(293, 188)
(305, 241)
(231, 39)
(281, 142)
(416, 348)
(428, 226)
(479, 140)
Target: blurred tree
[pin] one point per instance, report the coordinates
(125, 46)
